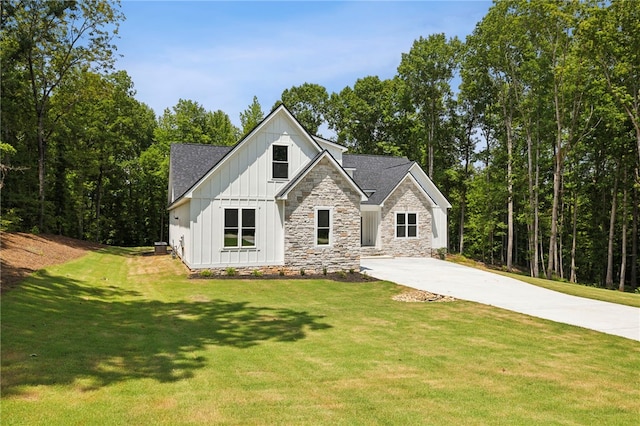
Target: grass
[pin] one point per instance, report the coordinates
(613, 296)
(120, 338)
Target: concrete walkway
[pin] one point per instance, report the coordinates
(471, 284)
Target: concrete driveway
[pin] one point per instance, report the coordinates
(471, 284)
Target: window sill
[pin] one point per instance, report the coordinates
(233, 249)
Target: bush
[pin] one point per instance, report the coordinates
(256, 273)
(302, 272)
(206, 273)
(231, 272)
(324, 270)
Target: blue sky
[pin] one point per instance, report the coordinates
(221, 54)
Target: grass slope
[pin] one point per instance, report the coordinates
(120, 338)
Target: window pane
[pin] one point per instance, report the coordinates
(413, 218)
(280, 153)
(400, 231)
(400, 218)
(248, 237)
(231, 218)
(412, 231)
(323, 218)
(280, 170)
(230, 237)
(248, 218)
(323, 237)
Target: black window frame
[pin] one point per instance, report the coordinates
(242, 226)
(279, 163)
(406, 225)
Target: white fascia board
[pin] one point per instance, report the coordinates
(415, 182)
(343, 173)
(431, 189)
(323, 141)
(184, 199)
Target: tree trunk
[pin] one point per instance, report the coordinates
(574, 234)
(623, 261)
(554, 214)
(507, 123)
(634, 242)
(612, 224)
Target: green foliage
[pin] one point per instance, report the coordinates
(251, 117)
(257, 273)
(231, 272)
(206, 273)
(307, 103)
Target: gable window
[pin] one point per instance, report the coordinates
(406, 225)
(280, 162)
(239, 227)
(323, 226)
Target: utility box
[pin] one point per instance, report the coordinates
(160, 248)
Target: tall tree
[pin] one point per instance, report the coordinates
(54, 39)
(307, 103)
(251, 116)
(427, 71)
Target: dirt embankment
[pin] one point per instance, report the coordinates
(22, 254)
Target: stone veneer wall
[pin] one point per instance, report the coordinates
(406, 198)
(323, 186)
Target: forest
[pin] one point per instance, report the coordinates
(530, 126)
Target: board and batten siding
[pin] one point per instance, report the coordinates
(243, 180)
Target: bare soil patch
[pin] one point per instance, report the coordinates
(21, 254)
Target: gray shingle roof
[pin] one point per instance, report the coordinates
(190, 162)
(377, 173)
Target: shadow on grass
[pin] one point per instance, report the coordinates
(60, 331)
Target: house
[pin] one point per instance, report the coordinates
(282, 199)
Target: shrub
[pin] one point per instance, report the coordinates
(351, 271)
(256, 273)
(302, 272)
(281, 272)
(342, 274)
(442, 253)
(206, 273)
(324, 270)
(231, 271)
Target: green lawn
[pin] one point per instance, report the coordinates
(120, 338)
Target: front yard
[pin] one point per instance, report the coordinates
(116, 337)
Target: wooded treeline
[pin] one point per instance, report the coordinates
(530, 126)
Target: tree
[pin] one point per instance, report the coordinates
(427, 70)
(610, 37)
(307, 103)
(251, 116)
(52, 40)
(190, 122)
(365, 117)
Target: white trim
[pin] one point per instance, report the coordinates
(287, 145)
(415, 182)
(431, 189)
(315, 226)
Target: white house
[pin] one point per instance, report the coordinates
(284, 199)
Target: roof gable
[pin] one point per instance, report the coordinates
(205, 167)
(284, 192)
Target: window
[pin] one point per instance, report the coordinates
(239, 227)
(280, 162)
(323, 227)
(406, 225)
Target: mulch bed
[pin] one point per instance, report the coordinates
(344, 277)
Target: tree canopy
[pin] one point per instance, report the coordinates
(538, 148)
